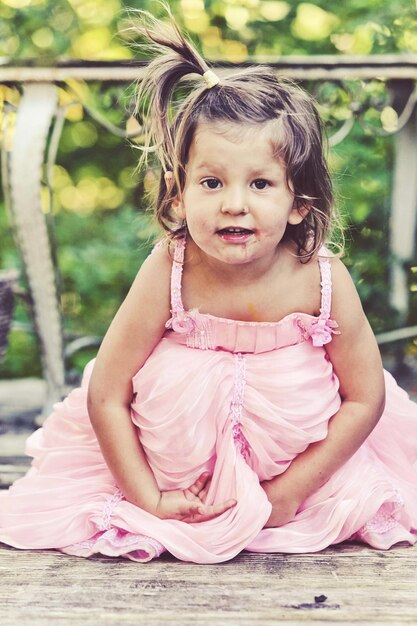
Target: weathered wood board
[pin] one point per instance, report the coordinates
(347, 584)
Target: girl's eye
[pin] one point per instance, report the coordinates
(211, 183)
(260, 183)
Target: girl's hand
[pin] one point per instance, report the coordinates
(285, 502)
(188, 505)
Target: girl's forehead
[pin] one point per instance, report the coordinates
(235, 131)
(254, 139)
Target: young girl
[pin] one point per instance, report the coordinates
(238, 398)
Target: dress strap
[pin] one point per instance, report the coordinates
(323, 327)
(176, 276)
(198, 332)
(326, 284)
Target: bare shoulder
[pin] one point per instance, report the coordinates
(140, 320)
(158, 264)
(150, 290)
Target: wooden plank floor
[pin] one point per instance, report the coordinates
(348, 584)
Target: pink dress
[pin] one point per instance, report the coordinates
(241, 400)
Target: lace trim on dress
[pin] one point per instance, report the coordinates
(384, 521)
(117, 542)
(236, 407)
(381, 523)
(176, 276)
(326, 286)
(109, 506)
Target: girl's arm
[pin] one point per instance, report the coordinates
(357, 363)
(134, 332)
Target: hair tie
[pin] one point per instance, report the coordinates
(211, 78)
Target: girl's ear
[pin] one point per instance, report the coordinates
(176, 204)
(298, 212)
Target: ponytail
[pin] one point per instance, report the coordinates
(175, 59)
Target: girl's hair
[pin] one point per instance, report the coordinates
(251, 96)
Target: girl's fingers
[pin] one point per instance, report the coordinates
(199, 484)
(203, 493)
(201, 513)
(218, 509)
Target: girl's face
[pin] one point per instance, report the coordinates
(236, 200)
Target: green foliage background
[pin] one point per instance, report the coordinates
(103, 231)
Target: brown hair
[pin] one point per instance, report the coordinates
(253, 95)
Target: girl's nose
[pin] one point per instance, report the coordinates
(235, 202)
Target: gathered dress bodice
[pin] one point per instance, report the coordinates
(205, 331)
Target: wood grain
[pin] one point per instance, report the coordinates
(346, 584)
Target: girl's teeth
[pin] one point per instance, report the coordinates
(235, 231)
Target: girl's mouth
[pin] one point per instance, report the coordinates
(236, 234)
